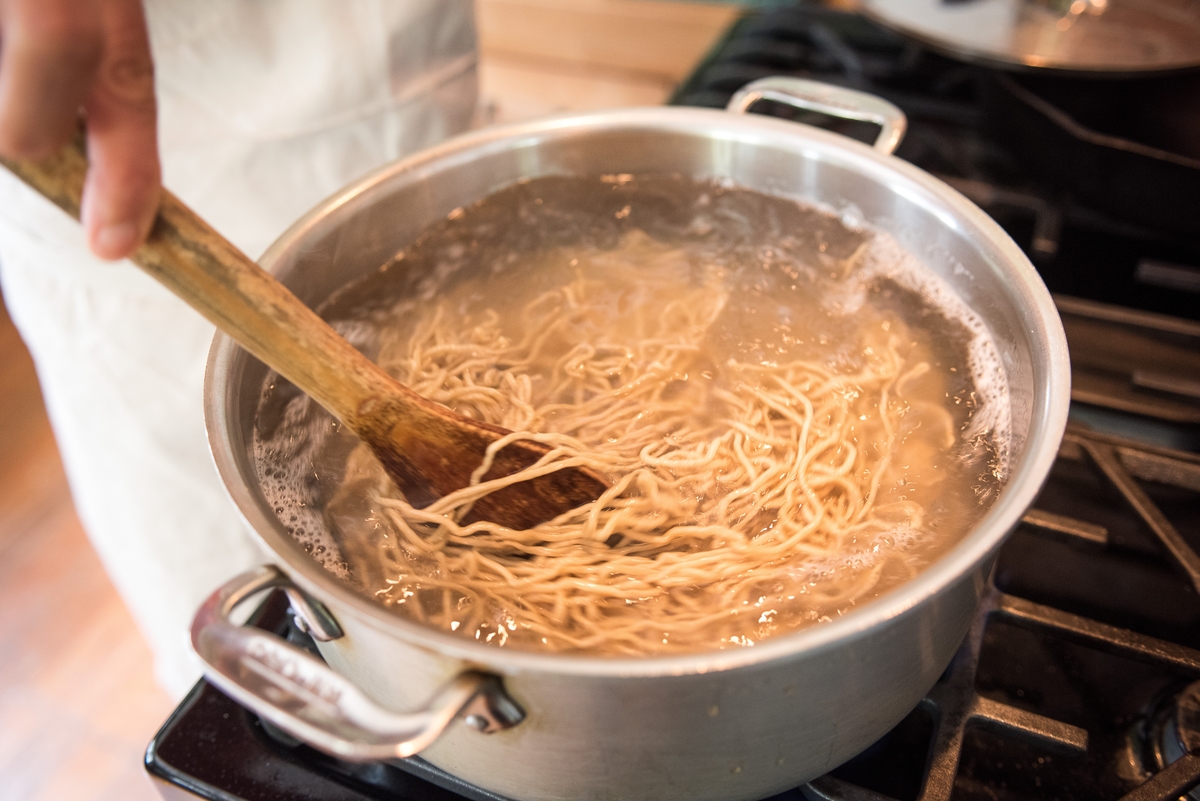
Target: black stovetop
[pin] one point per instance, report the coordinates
(1091, 629)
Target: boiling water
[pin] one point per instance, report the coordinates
(722, 289)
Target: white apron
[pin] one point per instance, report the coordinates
(265, 108)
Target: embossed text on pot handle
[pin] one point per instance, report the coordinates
(301, 695)
(836, 101)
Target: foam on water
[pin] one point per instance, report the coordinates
(290, 452)
(885, 258)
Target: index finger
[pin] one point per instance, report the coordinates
(121, 194)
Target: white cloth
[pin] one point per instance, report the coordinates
(265, 107)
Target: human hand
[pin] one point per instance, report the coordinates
(58, 56)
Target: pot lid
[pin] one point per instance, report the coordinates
(1094, 36)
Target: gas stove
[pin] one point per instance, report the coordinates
(1080, 678)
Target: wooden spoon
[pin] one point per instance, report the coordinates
(427, 449)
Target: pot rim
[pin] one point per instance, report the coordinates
(1027, 473)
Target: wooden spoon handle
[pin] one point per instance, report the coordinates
(199, 265)
(427, 449)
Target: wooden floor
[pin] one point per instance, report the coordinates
(77, 700)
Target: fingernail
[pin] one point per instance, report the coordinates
(115, 241)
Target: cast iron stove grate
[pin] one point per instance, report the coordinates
(1047, 698)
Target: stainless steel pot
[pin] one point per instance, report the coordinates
(738, 724)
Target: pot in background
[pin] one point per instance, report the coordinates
(736, 724)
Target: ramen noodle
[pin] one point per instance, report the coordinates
(793, 414)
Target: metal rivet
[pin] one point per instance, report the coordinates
(477, 722)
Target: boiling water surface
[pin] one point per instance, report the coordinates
(644, 317)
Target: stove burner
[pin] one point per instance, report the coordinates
(1182, 732)
(1164, 744)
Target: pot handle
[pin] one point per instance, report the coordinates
(836, 101)
(301, 695)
